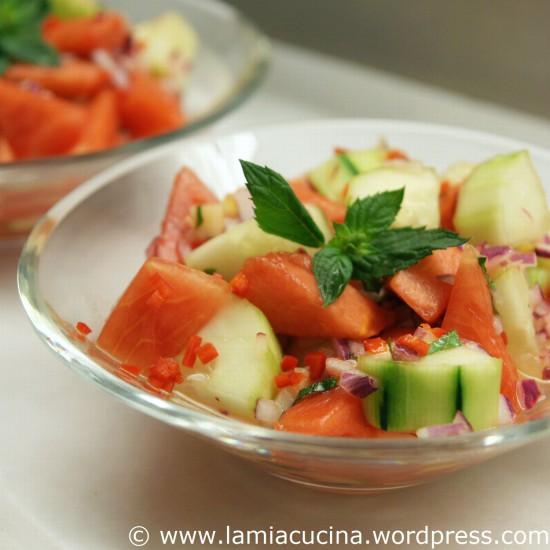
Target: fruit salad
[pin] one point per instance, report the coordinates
(77, 78)
(371, 297)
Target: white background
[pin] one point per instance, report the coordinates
(78, 468)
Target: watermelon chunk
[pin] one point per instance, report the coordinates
(283, 286)
(332, 413)
(74, 78)
(36, 124)
(108, 30)
(165, 304)
(101, 129)
(147, 109)
(178, 231)
(470, 313)
(422, 286)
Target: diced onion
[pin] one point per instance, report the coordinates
(286, 397)
(529, 393)
(358, 384)
(244, 204)
(341, 347)
(505, 411)
(267, 411)
(402, 353)
(336, 367)
(504, 256)
(118, 74)
(458, 426)
(356, 348)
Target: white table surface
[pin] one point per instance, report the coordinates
(78, 468)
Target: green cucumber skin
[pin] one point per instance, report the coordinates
(435, 401)
(374, 405)
(413, 395)
(480, 391)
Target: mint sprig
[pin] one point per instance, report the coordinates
(277, 209)
(364, 247)
(21, 35)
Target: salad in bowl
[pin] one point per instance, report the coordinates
(84, 85)
(78, 78)
(372, 297)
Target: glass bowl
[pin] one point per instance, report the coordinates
(83, 253)
(231, 61)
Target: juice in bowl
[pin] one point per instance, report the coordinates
(374, 319)
(86, 85)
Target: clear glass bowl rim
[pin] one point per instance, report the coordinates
(233, 432)
(237, 95)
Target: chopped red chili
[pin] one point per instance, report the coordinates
(190, 355)
(207, 353)
(239, 285)
(289, 378)
(83, 328)
(413, 343)
(396, 154)
(289, 362)
(315, 361)
(165, 374)
(375, 345)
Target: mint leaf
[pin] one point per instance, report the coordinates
(277, 209)
(27, 45)
(374, 213)
(347, 165)
(447, 341)
(332, 270)
(21, 33)
(317, 387)
(17, 14)
(4, 63)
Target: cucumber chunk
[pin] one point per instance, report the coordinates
(480, 391)
(420, 205)
(69, 9)
(249, 358)
(330, 178)
(427, 392)
(513, 303)
(167, 47)
(503, 202)
(227, 252)
(411, 395)
(540, 274)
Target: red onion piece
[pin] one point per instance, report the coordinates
(424, 335)
(528, 259)
(458, 426)
(267, 411)
(341, 348)
(358, 384)
(505, 411)
(543, 250)
(529, 393)
(401, 353)
(336, 367)
(491, 252)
